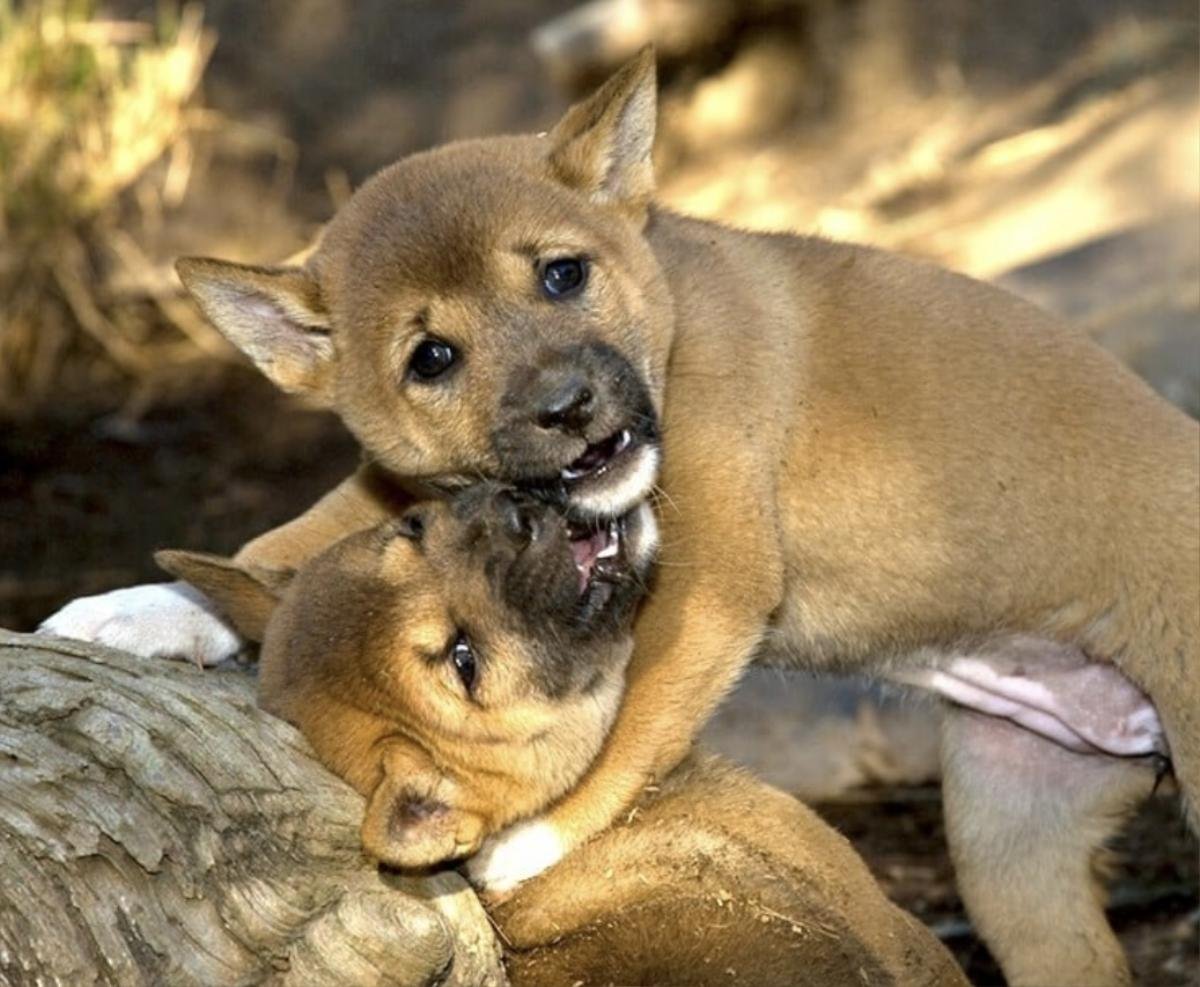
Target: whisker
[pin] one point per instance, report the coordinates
(658, 492)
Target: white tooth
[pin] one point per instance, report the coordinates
(624, 440)
(613, 542)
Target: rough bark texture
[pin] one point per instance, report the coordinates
(157, 828)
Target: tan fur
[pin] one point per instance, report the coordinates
(716, 879)
(866, 459)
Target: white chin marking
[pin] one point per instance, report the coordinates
(515, 855)
(643, 547)
(164, 620)
(618, 496)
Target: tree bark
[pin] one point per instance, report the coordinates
(157, 828)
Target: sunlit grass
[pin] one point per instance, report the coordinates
(95, 117)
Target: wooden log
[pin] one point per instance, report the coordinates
(157, 828)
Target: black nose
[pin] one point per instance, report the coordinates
(568, 405)
(518, 517)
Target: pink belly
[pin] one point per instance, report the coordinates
(1050, 690)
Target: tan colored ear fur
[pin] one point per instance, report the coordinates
(409, 822)
(273, 315)
(603, 145)
(247, 595)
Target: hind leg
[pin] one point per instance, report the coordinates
(1026, 820)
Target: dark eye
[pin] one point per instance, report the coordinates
(431, 359)
(463, 659)
(411, 526)
(563, 277)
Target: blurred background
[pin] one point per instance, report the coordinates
(1053, 147)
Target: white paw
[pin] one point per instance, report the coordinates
(514, 855)
(164, 620)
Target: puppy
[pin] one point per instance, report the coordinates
(460, 667)
(867, 465)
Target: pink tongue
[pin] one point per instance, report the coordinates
(584, 551)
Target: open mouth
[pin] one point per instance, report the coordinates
(585, 575)
(597, 553)
(599, 457)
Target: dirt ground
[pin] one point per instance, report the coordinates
(1027, 166)
(85, 501)
(1154, 906)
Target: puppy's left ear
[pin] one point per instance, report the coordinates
(602, 146)
(410, 822)
(246, 594)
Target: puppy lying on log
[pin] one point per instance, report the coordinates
(460, 667)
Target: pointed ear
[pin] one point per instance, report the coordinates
(247, 595)
(602, 146)
(409, 821)
(272, 314)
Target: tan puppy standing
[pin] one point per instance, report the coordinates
(460, 666)
(869, 465)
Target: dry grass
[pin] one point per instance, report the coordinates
(96, 118)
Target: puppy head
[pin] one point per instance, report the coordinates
(488, 308)
(459, 666)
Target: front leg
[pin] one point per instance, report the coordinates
(695, 635)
